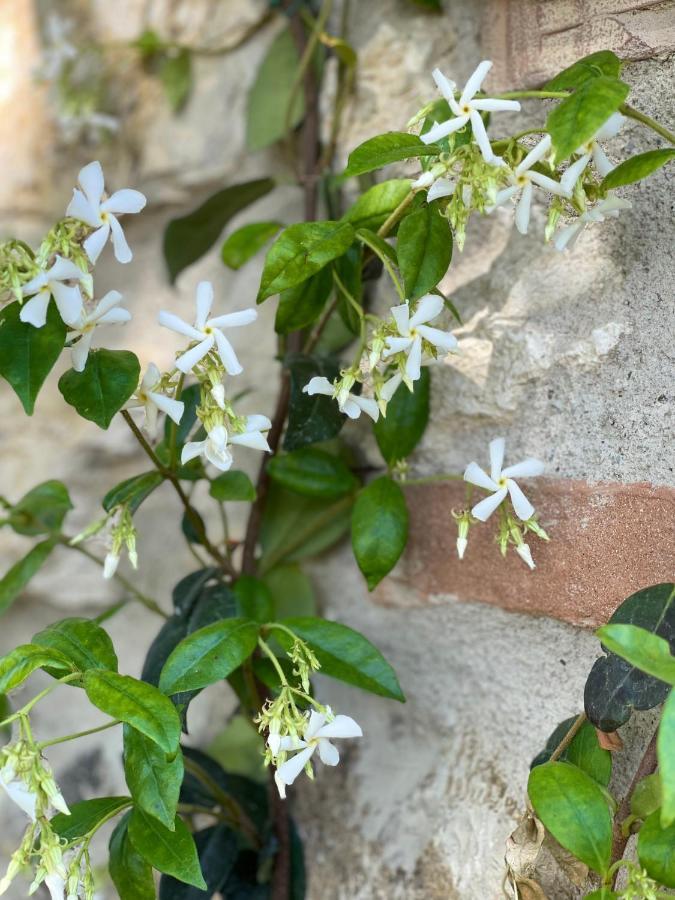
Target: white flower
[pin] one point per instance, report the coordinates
(215, 448)
(207, 332)
(468, 109)
(316, 736)
(611, 206)
(350, 404)
(500, 482)
(462, 544)
(49, 283)
(592, 150)
(438, 186)
(89, 206)
(413, 329)
(106, 312)
(522, 179)
(524, 552)
(153, 401)
(110, 564)
(18, 791)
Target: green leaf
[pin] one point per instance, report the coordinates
(300, 306)
(21, 662)
(191, 397)
(231, 486)
(641, 648)
(424, 250)
(135, 703)
(109, 378)
(433, 5)
(239, 748)
(130, 874)
(86, 816)
(311, 418)
(27, 353)
(665, 748)
(313, 473)
(646, 797)
(175, 73)
(217, 848)
(576, 119)
(379, 528)
(82, 641)
(171, 852)
(603, 62)
(349, 270)
(254, 599)
(270, 95)
(133, 491)
(154, 780)
(16, 578)
(41, 510)
(399, 433)
(383, 149)
(584, 752)
(375, 206)
(300, 251)
(292, 591)
(346, 655)
(573, 807)
(245, 242)
(637, 167)
(208, 655)
(603, 893)
(656, 850)
(189, 237)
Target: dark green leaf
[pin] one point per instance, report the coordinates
(133, 491)
(656, 850)
(108, 380)
(171, 852)
(603, 62)
(189, 237)
(434, 5)
(401, 430)
(666, 753)
(188, 528)
(175, 72)
(217, 848)
(254, 599)
(233, 485)
(191, 397)
(637, 167)
(576, 119)
(300, 251)
(379, 528)
(313, 472)
(5, 712)
(27, 353)
(424, 250)
(86, 816)
(646, 797)
(16, 578)
(136, 703)
(573, 807)
(349, 270)
(311, 418)
(584, 751)
(130, 874)
(21, 662)
(270, 95)
(153, 779)
(82, 641)
(291, 590)
(641, 648)
(300, 306)
(387, 148)
(41, 510)
(245, 242)
(375, 206)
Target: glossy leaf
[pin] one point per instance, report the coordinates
(153, 779)
(87, 816)
(637, 167)
(384, 149)
(424, 250)
(349, 270)
(175, 73)
(191, 397)
(16, 578)
(641, 648)
(217, 848)
(28, 354)
(268, 100)
(584, 751)
(189, 237)
(21, 662)
(346, 655)
(375, 206)
(313, 473)
(575, 120)
(231, 486)
(245, 242)
(666, 755)
(108, 380)
(171, 852)
(82, 641)
(573, 807)
(656, 850)
(292, 591)
(254, 599)
(603, 62)
(41, 510)
(646, 797)
(133, 491)
(300, 306)
(316, 418)
(401, 430)
(130, 873)
(379, 528)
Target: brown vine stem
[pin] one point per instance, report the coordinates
(569, 737)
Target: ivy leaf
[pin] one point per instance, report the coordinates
(664, 747)
(573, 807)
(217, 848)
(28, 354)
(153, 779)
(637, 168)
(346, 655)
(400, 432)
(171, 852)
(313, 473)
(86, 816)
(584, 751)
(384, 149)
(133, 491)
(300, 306)
(270, 95)
(16, 578)
(42, 510)
(375, 206)
(21, 662)
(300, 251)
(231, 486)
(175, 72)
(641, 648)
(109, 378)
(603, 62)
(656, 849)
(311, 418)
(82, 641)
(188, 238)
(254, 599)
(130, 874)
(424, 250)
(379, 528)
(576, 119)
(245, 242)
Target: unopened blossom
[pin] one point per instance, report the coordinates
(468, 109)
(351, 405)
(91, 206)
(610, 207)
(18, 791)
(592, 150)
(122, 534)
(500, 482)
(437, 186)
(52, 868)
(207, 332)
(523, 178)
(316, 736)
(106, 312)
(524, 552)
(413, 330)
(52, 282)
(153, 401)
(215, 448)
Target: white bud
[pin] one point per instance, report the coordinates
(110, 564)
(525, 554)
(461, 546)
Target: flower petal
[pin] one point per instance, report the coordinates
(427, 308)
(522, 217)
(390, 386)
(567, 236)
(550, 184)
(505, 195)
(204, 301)
(235, 319)
(601, 161)
(480, 134)
(522, 506)
(328, 753)
(571, 175)
(350, 408)
(486, 507)
(496, 457)
(368, 405)
(611, 128)
(92, 182)
(122, 250)
(19, 793)
(79, 352)
(220, 457)
(318, 385)
(258, 423)
(401, 315)
(173, 408)
(68, 301)
(227, 354)
(414, 360)
(34, 311)
(443, 129)
(475, 475)
(256, 440)
(490, 105)
(442, 187)
(444, 85)
(536, 154)
(340, 727)
(289, 771)
(314, 723)
(396, 345)
(188, 360)
(124, 201)
(474, 83)
(442, 339)
(64, 269)
(528, 468)
(191, 450)
(80, 208)
(180, 326)
(96, 242)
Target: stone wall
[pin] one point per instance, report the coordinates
(569, 356)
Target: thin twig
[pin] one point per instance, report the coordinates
(569, 737)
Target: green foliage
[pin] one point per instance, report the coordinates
(254, 599)
(575, 120)
(88, 815)
(245, 242)
(313, 473)
(21, 662)
(82, 641)
(189, 237)
(374, 207)
(175, 72)
(300, 306)
(603, 62)
(310, 418)
(217, 848)
(637, 167)
(28, 354)
(232, 486)
(109, 378)
(133, 491)
(656, 849)
(171, 852)
(401, 430)
(584, 751)
(42, 510)
(379, 528)
(641, 648)
(646, 796)
(153, 779)
(665, 747)
(424, 249)
(16, 578)
(271, 94)
(292, 591)
(384, 149)
(130, 873)
(349, 269)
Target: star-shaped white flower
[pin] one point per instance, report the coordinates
(52, 282)
(106, 312)
(566, 237)
(468, 109)
(592, 150)
(316, 736)
(18, 791)
(522, 181)
(500, 482)
(437, 186)
(413, 330)
(154, 402)
(351, 405)
(215, 447)
(91, 206)
(208, 332)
